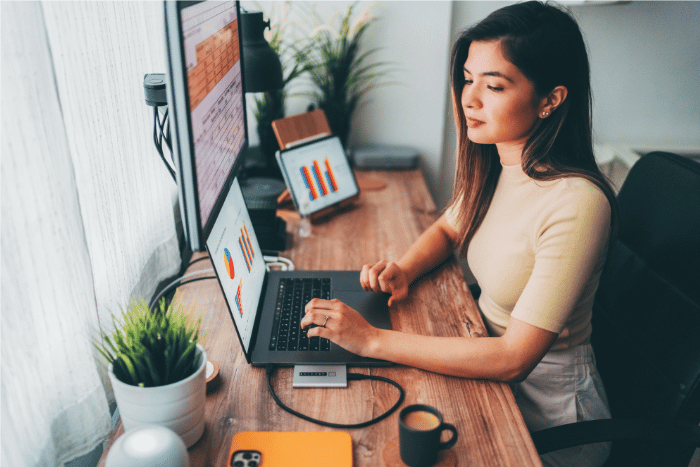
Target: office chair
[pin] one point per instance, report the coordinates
(646, 322)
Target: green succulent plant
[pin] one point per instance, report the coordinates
(150, 348)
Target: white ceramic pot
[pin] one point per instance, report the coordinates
(178, 406)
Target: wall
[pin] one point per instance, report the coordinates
(645, 60)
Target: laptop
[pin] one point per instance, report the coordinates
(258, 300)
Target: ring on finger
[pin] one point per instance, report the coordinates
(324, 323)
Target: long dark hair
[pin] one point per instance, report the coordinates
(546, 45)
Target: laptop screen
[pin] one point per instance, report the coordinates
(236, 256)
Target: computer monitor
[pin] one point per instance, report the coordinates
(207, 107)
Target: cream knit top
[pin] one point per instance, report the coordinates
(539, 253)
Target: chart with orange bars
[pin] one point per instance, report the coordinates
(319, 181)
(246, 247)
(239, 299)
(216, 55)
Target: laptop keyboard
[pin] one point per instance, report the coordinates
(292, 297)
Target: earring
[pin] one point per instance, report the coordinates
(544, 114)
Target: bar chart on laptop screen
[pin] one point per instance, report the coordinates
(246, 247)
(239, 297)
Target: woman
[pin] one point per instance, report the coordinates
(532, 213)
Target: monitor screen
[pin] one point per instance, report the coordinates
(207, 107)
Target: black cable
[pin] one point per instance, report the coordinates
(197, 260)
(166, 133)
(195, 280)
(175, 284)
(269, 369)
(156, 125)
(161, 135)
(164, 128)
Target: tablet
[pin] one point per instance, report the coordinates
(318, 176)
(293, 449)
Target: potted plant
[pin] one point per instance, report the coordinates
(340, 72)
(157, 368)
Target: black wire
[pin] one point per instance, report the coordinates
(156, 125)
(175, 285)
(160, 124)
(269, 369)
(197, 260)
(166, 133)
(163, 292)
(194, 280)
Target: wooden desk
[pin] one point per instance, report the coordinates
(383, 225)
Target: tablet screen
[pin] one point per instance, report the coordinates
(318, 174)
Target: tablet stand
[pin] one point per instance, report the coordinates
(299, 129)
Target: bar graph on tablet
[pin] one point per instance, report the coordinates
(318, 175)
(319, 181)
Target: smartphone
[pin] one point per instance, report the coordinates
(290, 449)
(246, 458)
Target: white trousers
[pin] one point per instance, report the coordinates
(565, 387)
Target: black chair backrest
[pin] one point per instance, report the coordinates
(646, 317)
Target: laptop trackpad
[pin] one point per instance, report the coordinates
(373, 306)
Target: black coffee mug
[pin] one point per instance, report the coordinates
(420, 427)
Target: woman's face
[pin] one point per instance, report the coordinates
(499, 103)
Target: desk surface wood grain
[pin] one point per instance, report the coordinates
(383, 224)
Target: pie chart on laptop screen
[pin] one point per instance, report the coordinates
(229, 263)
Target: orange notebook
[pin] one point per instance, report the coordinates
(300, 128)
(295, 449)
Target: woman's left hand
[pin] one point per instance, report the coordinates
(344, 326)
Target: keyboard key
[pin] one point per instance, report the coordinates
(314, 343)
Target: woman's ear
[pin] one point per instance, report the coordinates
(553, 100)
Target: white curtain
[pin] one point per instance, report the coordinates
(88, 211)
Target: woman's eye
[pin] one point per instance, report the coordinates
(495, 88)
(467, 81)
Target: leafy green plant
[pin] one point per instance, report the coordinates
(152, 348)
(341, 73)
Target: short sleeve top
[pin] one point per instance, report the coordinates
(539, 253)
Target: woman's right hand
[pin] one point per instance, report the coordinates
(385, 276)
